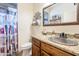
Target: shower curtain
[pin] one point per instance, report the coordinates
(8, 32)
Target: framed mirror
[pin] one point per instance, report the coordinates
(61, 14)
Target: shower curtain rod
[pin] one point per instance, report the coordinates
(6, 5)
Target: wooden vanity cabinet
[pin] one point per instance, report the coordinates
(35, 47)
(40, 48)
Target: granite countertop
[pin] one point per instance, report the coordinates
(71, 49)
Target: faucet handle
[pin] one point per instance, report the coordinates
(76, 35)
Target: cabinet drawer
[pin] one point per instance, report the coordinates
(53, 51)
(36, 41)
(43, 53)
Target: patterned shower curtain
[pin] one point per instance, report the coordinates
(8, 32)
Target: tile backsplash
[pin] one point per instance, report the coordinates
(69, 29)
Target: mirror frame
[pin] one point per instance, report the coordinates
(71, 23)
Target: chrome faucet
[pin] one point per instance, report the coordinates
(63, 35)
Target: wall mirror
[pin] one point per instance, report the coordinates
(61, 14)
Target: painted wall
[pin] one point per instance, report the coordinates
(70, 29)
(25, 16)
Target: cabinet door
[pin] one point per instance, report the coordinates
(36, 42)
(43, 53)
(35, 50)
(53, 51)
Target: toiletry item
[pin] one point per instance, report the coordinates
(44, 32)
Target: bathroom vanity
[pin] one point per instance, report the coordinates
(41, 48)
(57, 14)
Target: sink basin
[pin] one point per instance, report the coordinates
(63, 41)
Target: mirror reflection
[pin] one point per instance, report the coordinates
(59, 13)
